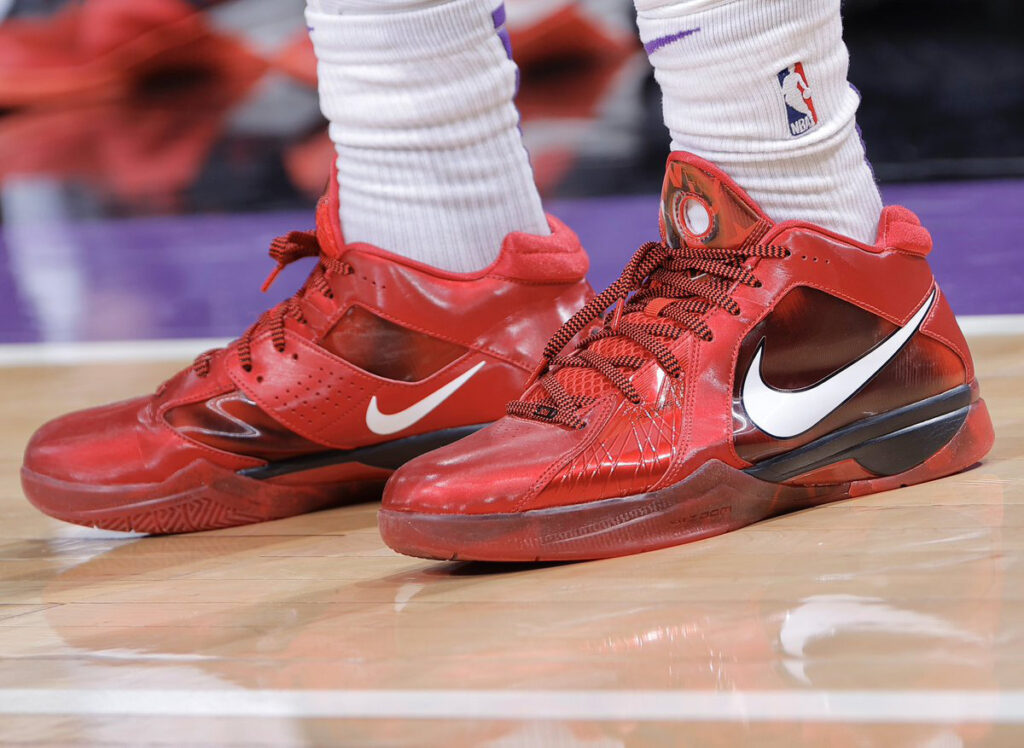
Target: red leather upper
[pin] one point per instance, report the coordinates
(303, 397)
(681, 423)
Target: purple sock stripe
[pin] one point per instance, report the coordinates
(655, 44)
(860, 134)
(506, 41)
(498, 16)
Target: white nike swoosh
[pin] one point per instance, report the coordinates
(784, 414)
(390, 423)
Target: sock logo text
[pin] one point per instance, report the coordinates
(796, 93)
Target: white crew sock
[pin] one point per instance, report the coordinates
(724, 100)
(431, 164)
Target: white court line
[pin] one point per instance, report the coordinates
(992, 324)
(77, 354)
(875, 707)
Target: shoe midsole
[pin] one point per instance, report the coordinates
(885, 444)
(388, 456)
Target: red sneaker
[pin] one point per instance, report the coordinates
(375, 360)
(746, 369)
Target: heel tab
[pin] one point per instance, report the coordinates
(556, 258)
(328, 218)
(941, 324)
(730, 217)
(900, 229)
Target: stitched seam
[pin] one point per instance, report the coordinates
(689, 406)
(288, 419)
(968, 372)
(470, 346)
(604, 409)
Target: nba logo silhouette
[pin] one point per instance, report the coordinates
(796, 92)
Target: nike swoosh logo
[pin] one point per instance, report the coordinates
(391, 423)
(784, 414)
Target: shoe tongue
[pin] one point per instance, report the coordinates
(328, 220)
(702, 206)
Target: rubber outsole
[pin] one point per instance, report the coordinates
(715, 499)
(201, 496)
(204, 496)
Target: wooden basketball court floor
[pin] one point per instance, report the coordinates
(895, 619)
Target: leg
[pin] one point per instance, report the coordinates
(759, 87)
(754, 361)
(419, 97)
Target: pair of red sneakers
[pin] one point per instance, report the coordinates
(737, 369)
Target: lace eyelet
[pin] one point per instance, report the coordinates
(247, 369)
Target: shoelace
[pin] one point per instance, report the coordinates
(284, 250)
(673, 288)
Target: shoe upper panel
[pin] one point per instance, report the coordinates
(941, 325)
(389, 350)
(889, 283)
(373, 348)
(117, 444)
(331, 402)
(809, 338)
(826, 304)
(810, 334)
(632, 452)
(506, 318)
(304, 398)
(187, 386)
(499, 469)
(231, 422)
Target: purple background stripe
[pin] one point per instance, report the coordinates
(199, 276)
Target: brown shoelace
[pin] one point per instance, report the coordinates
(284, 250)
(673, 288)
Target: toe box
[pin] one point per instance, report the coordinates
(496, 470)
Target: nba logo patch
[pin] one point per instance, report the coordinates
(796, 93)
